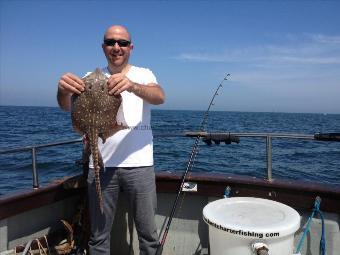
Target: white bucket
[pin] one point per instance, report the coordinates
(236, 223)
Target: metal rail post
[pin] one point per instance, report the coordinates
(269, 157)
(34, 169)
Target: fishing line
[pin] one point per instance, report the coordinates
(189, 166)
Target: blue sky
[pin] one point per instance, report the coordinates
(283, 56)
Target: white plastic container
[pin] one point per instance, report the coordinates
(236, 223)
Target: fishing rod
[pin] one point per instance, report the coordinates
(189, 166)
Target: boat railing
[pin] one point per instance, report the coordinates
(227, 137)
(33, 150)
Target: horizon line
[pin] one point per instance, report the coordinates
(193, 110)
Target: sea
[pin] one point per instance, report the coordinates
(303, 160)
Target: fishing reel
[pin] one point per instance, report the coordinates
(217, 138)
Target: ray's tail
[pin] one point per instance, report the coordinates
(97, 165)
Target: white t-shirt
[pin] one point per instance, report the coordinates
(131, 147)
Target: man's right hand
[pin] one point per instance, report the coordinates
(70, 83)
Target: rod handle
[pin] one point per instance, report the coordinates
(327, 137)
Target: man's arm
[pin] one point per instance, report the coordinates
(64, 100)
(152, 92)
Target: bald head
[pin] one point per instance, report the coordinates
(117, 47)
(117, 30)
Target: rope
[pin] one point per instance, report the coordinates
(322, 250)
(48, 247)
(227, 192)
(27, 247)
(316, 210)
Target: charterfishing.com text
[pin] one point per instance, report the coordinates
(241, 232)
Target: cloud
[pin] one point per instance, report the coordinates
(306, 49)
(325, 39)
(201, 57)
(301, 74)
(306, 60)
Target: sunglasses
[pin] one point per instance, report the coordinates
(121, 42)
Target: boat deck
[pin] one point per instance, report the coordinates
(33, 214)
(36, 213)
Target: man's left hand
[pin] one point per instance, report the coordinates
(118, 83)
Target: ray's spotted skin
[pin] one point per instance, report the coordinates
(94, 114)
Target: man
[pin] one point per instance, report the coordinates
(127, 155)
